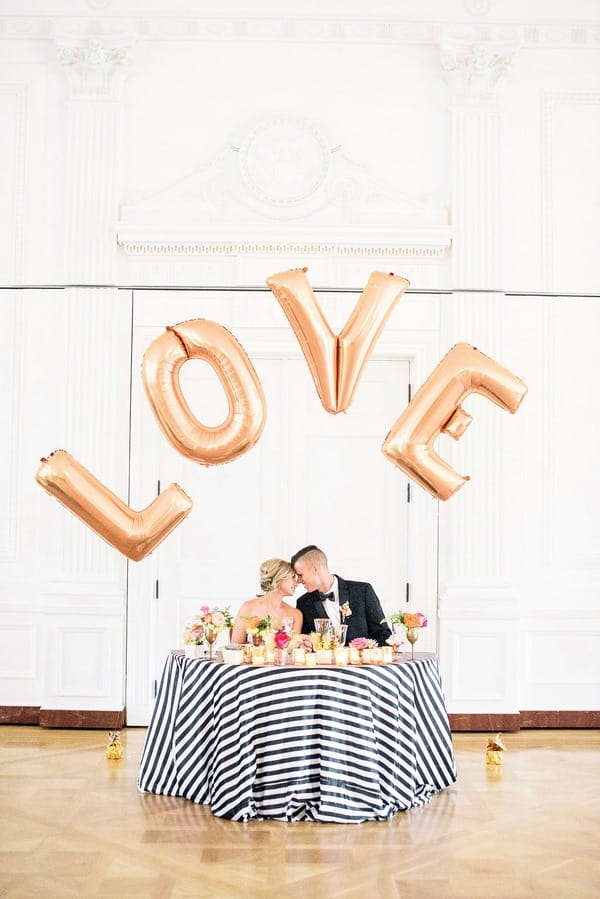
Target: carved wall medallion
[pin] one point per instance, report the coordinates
(284, 161)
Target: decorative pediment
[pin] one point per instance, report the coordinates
(281, 182)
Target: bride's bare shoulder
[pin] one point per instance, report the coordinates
(249, 604)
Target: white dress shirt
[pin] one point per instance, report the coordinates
(332, 606)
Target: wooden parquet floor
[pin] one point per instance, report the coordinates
(73, 824)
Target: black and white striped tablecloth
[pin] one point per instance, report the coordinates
(334, 744)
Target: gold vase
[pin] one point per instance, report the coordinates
(412, 635)
(211, 636)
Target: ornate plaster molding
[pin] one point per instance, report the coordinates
(296, 29)
(284, 161)
(472, 67)
(95, 64)
(401, 245)
(282, 185)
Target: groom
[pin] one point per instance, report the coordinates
(328, 594)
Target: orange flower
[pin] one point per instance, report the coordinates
(411, 620)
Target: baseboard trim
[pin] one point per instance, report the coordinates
(526, 720)
(19, 714)
(71, 719)
(567, 719)
(115, 720)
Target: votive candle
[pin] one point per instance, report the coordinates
(310, 659)
(366, 655)
(299, 655)
(354, 657)
(387, 654)
(258, 655)
(341, 655)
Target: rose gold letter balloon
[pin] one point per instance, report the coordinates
(336, 363)
(135, 534)
(206, 340)
(436, 408)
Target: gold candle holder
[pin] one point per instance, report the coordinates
(366, 656)
(258, 655)
(341, 654)
(376, 656)
(299, 655)
(310, 659)
(354, 656)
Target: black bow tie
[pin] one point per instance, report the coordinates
(325, 596)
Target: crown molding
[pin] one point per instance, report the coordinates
(144, 240)
(325, 29)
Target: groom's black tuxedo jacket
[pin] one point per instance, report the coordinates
(364, 604)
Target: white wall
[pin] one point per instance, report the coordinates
(63, 597)
(454, 143)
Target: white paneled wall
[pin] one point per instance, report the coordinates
(62, 605)
(454, 143)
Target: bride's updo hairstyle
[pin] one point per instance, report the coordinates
(272, 572)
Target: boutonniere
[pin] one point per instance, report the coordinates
(345, 610)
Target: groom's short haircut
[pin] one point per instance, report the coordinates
(317, 554)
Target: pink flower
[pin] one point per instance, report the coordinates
(218, 619)
(395, 640)
(281, 639)
(205, 610)
(359, 643)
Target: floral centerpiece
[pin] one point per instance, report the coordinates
(363, 643)
(396, 641)
(213, 619)
(412, 622)
(406, 619)
(207, 625)
(229, 618)
(258, 628)
(324, 640)
(363, 646)
(193, 634)
(282, 641)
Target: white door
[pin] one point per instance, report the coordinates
(312, 478)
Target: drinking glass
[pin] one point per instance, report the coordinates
(341, 632)
(287, 624)
(323, 625)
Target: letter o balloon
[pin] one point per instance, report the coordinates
(212, 343)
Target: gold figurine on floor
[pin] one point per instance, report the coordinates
(495, 748)
(114, 748)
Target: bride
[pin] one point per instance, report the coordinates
(278, 580)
